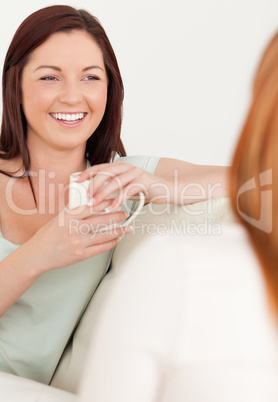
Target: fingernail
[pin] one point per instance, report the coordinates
(75, 178)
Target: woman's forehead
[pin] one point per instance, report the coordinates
(71, 46)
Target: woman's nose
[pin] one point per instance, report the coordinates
(71, 93)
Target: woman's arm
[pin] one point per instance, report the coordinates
(190, 183)
(57, 244)
(174, 181)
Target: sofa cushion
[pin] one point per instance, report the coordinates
(18, 389)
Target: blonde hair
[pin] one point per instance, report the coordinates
(255, 169)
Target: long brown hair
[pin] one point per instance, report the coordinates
(255, 169)
(105, 142)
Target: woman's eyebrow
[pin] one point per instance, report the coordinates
(51, 67)
(59, 69)
(92, 67)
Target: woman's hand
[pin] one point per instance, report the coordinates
(74, 236)
(121, 181)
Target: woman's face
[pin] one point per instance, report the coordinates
(64, 91)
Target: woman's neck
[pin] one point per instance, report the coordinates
(58, 166)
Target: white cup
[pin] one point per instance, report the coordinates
(78, 192)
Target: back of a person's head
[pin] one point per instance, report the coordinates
(255, 168)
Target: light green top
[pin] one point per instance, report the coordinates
(36, 329)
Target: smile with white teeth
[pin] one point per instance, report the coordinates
(68, 117)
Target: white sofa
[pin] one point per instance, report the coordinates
(151, 227)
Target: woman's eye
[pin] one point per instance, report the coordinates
(48, 78)
(91, 78)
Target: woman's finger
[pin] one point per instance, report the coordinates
(96, 222)
(103, 235)
(114, 168)
(106, 219)
(104, 178)
(117, 188)
(85, 211)
(96, 249)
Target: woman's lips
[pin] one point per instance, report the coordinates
(69, 119)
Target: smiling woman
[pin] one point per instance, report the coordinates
(62, 113)
(64, 101)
